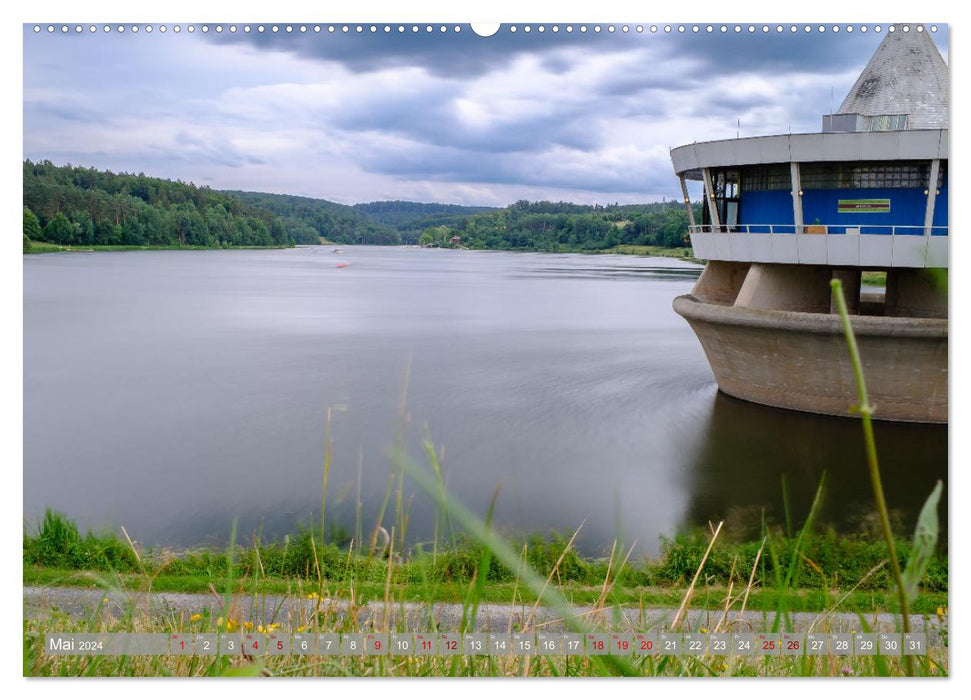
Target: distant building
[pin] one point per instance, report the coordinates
(455, 240)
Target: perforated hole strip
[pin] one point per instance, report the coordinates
(456, 28)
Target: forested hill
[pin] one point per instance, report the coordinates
(416, 216)
(562, 226)
(82, 206)
(71, 205)
(308, 218)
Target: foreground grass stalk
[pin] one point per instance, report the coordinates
(505, 554)
(694, 581)
(866, 412)
(328, 454)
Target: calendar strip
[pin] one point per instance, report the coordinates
(490, 644)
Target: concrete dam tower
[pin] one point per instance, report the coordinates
(785, 214)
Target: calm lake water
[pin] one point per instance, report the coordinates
(170, 392)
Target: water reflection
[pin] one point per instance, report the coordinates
(612, 272)
(750, 454)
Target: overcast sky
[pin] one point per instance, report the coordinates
(583, 117)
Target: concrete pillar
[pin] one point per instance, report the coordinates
(687, 202)
(786, 288)
(710, 200)
(851, 280)
(796, 196)
(931, 196)
(720, 281)
(916, 292)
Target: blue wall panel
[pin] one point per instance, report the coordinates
(765, 207)
(907, 207)
(940, 211)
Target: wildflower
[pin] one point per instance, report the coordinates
(301, 628)
(249, 626)
(313, 596)
(704, 630)
(847, 671)
(230, 625)
(261, 630)
(196, 618)
(105, 600)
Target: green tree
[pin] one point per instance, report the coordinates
(32, 230)
(59, 230)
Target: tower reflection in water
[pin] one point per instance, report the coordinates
(751, 455)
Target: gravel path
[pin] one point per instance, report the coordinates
(41, 601)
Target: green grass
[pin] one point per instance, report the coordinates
(471, 571)
(652, 251)
(848, 562)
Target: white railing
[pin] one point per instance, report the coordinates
(839, 229)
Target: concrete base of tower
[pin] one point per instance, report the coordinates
(799, 360)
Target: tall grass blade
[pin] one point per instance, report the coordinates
(925, 540)
(785, 506)
(507, 556)
(328, 452)
(873, 465)
(694, 581)
(794, 561)
(485, 562)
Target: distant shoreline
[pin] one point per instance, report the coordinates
(45, 247)
(645, 251)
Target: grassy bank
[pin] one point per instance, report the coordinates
(242, 584)
(852, 568)
(652, 251)
(813, 570)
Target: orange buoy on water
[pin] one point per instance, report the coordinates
(341, 264)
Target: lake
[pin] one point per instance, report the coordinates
(173, 391)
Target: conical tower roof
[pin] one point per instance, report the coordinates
(906, 75)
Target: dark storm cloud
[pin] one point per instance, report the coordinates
(782, 52)
(451, 54)
(773, 52)
(465, 54)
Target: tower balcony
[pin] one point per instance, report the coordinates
(836, 245)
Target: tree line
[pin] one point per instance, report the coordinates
(308, 219)
(563, 226)
(71, 205)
